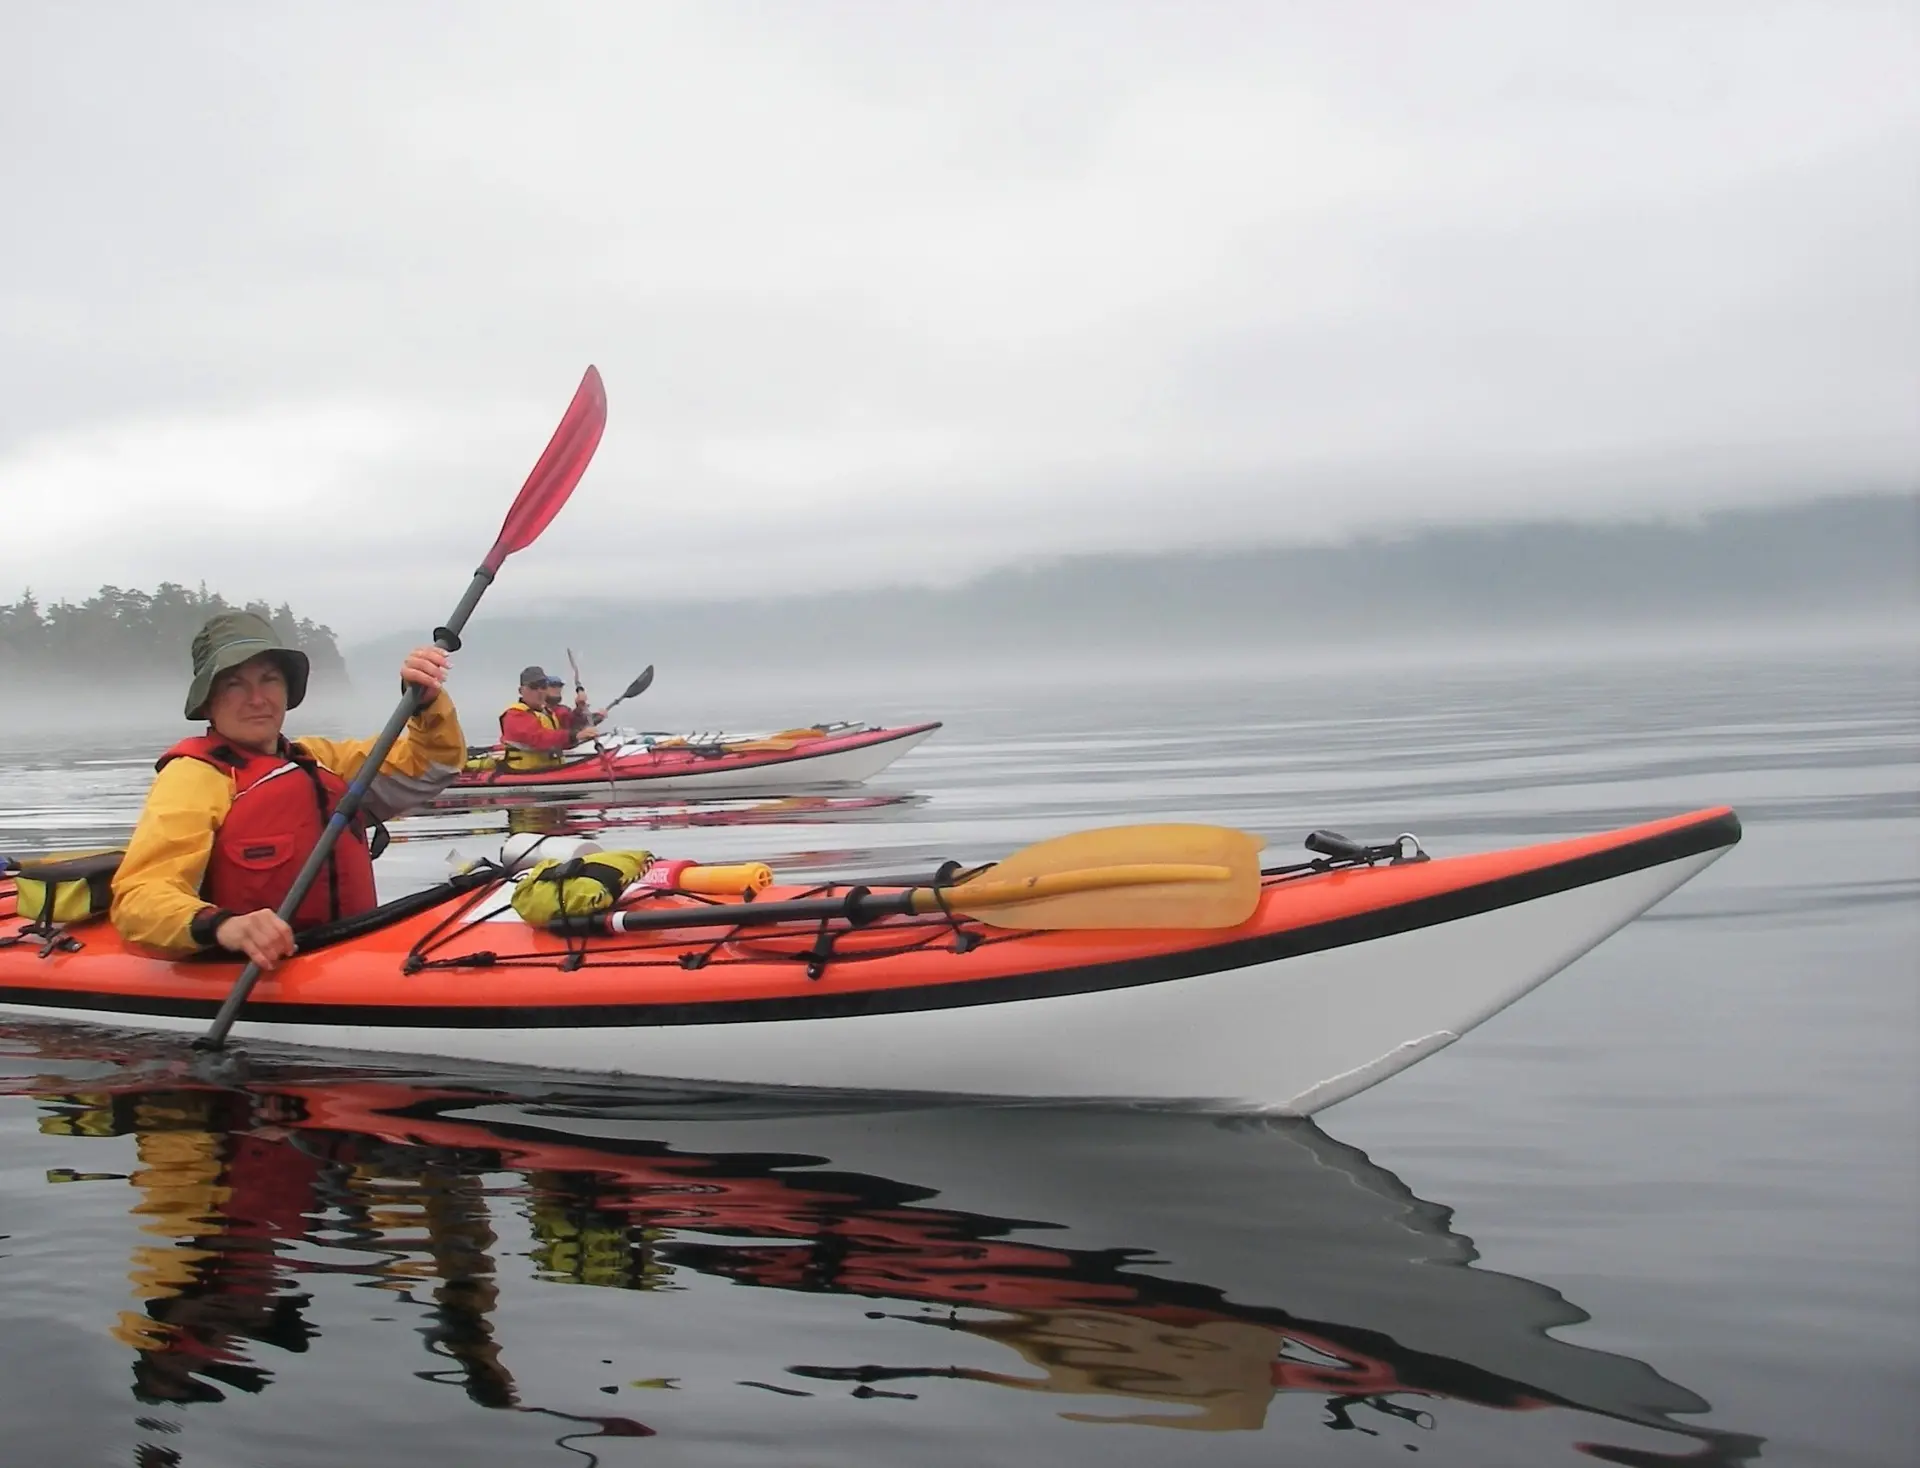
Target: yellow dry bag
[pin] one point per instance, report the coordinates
(577, 886)
(66, 887)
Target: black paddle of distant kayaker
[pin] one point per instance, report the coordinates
(634, 689)
(566, 458)
(638, 685)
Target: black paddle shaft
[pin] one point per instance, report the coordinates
(857, 905)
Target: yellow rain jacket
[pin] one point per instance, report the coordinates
(156, 892)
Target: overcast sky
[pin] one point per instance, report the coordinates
(291, 296)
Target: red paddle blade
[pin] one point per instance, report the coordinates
(559, 470)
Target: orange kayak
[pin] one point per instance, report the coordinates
(1348, 970)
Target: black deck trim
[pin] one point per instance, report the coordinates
(824, 1002)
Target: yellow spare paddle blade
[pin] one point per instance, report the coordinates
(1161, 876)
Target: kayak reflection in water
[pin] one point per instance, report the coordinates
(1352, 1291)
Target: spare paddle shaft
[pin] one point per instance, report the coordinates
(860, 905)
(566, 458)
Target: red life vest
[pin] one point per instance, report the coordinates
(281, 804)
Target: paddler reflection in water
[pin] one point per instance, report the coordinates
(234, 813)
(230, 1186)
(537, 727)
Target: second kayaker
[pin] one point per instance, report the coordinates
(234, 813)
(537, 728)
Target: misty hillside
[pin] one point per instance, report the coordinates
(1857, 555)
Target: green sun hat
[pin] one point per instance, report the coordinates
(231, 638)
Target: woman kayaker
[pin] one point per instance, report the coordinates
(234, 813)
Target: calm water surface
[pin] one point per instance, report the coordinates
(1665, 1210)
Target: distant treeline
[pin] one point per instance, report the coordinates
(1841, 556)
(1847, 556)
(139, 633)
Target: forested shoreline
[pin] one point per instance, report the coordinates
(139, 633)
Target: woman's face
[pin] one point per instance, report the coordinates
(249, 704)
